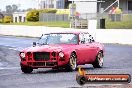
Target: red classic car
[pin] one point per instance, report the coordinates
(62, 50)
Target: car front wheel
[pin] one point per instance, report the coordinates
(72, 64)
(26, 69)
(99, 61)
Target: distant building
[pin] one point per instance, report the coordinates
(19, 17)
(92, 6)
(56, 4)
(125, 5)
(86, 6)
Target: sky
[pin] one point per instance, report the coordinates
(23, 4)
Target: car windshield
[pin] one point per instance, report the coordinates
(58, 39)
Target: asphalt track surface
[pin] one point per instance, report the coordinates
(117, 60)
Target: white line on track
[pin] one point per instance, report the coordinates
(7, 68)
(15, 49)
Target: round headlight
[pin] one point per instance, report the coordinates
(22, 55)
(61, 54)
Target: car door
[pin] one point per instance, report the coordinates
(82, 49)
(91, 48)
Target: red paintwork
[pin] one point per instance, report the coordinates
(86, 53)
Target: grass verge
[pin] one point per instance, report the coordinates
(119, 25)
(49, 24)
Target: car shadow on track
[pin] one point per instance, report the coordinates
(50, 70)
(58, 70)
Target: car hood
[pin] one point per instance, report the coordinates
(49, 48)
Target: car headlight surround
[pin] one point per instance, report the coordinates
(22, 54)
(61, 54)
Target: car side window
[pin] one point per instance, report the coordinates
(82, 38)
(85, 38)
(91, 38)
(88, 38)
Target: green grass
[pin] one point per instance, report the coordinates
(109, 24)
(119, 25)
(49, 24)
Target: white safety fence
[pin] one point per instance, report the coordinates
(31, 31)
(121, 36)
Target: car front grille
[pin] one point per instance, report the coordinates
(44, 63)
(40, 56)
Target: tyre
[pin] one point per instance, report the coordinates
(99, 61)
(56, 68)
(26, 69)
(72, 64)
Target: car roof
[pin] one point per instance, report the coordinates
(75, 32)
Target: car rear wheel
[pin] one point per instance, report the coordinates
(26, 69)
(99, 61)
(72, 64)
